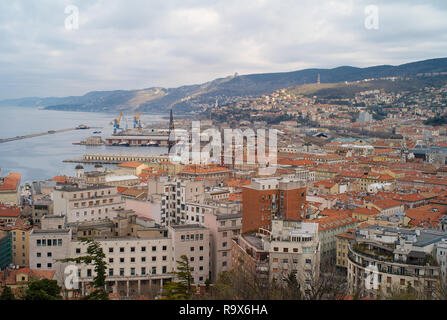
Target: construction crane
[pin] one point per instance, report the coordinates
(116, 123)
(137, 121)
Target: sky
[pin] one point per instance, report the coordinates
(132, 44)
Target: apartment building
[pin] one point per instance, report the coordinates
(20, 244)
(50, 244)
(294, 247)
(86, 203)
(265, 199)
(170, 195)
(192, 240)
(343, 241)
(290, 247)
(384, 260)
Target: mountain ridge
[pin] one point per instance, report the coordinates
(190, 97)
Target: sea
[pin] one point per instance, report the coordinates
(41, 158)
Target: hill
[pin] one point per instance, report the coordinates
(189, 98)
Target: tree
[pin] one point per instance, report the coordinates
(95, 255)
(182, 288)
(44, 289)
(7, 294)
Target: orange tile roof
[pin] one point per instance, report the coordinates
(9, 211)
(11, 182)
(387, 203)
(130, 164)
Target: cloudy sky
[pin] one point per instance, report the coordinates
(132, 44)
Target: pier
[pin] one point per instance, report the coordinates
(41, 134)
(117, 159)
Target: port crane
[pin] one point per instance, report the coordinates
(137, 121)
(116, 124)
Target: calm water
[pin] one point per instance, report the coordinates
(40, 158)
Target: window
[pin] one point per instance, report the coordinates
(132, 271)
(49, 265)
(143, 259)
(224, 244)
(78, 250)
(89, 272)
(154, 270)
(132, 259)
(154, 248)
(308, 261)
(201, 248)
(59, 242)
(275, 249)
(285, 249)
(165, 248)
(143, 271)
(38, 242)
(110, 260)
(110, 250)
(122, 260)
(164, 269)
(38, 254)
(154, 258)
(48, 254)
(121, 249)
(38, 265)
(143, 249)
(121, 271)
(191, 248)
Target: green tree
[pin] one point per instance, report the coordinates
(95, 255)
(7, 294)
(44, 289)
(182, 288)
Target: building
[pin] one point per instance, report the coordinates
(18, 279)
(86, 203)
(9, 214)
(168, 198)
(224, 221)
(329, 227)
(20, 244)
(343, 241)
(290, 247)
(266, 199)
(5, 249)
(192, 240)
(385, 260)
(10, 189)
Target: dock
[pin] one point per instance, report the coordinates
(41, 134)
(117, 159)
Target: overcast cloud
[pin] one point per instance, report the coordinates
(136, 44)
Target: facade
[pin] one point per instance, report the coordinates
(343, 241)
(291, 247)
(192, 240)
(5, 249)
(170, 195)
(266, 199)
(88, 203)
(224, 222)
(20, 245)
(394, 259)
(49, 244)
